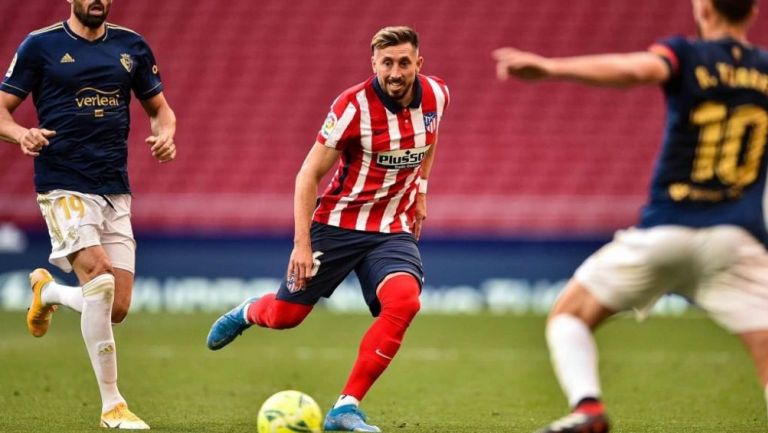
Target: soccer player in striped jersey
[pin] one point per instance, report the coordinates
(702, 233)
(381, 134)
(81, 73)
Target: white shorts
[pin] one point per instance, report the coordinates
(723, 269)
(77, 221)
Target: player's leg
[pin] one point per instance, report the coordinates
(632, 271)
(106, 273)
(120, 246)
(735, 294)
(391, 278)
(757, 343)
(76, 221)
(64, 213)
(54, 293)
(123, 293)
(94, 271)
(337, 252)
(399, 298)
(97, 276)
(573, 354)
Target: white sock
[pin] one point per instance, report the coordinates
(574, 357)
(345, 400)
(96, 326)
(59, 294)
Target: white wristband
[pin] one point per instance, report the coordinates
(422, 185)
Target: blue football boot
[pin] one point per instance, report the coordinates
(227, 327)
(347, 418)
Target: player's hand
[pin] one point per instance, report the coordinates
(299, 267)
(163, 147)
(420, 215)
(33, 140)
(521, 64)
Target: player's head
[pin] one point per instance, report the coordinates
(396, 61)
(91, 13)
(733, 12)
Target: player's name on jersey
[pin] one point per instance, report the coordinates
(732, 76)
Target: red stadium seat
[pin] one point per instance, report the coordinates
(251, 83)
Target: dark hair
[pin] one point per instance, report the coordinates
(734, 11)
(395, 35)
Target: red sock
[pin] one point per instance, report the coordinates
(269, 312)
(399, 298)
(590, 406)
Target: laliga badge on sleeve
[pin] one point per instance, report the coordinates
(328, 125)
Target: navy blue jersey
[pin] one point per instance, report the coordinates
(712, 166)
(82, 90)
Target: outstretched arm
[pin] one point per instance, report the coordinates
(162, 120)
(30, 140)
(609, 70)
(318, 162)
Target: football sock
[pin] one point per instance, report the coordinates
(574, 357)
(345, 400)
(399, 299)
(590, 406)
(269, 312)
(96, 326)
(59, 294)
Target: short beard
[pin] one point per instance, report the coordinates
(402, 95)
(90, 21)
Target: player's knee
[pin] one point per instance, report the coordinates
(98, 267)
(578, 302)
(286, 315)
(406, 307)
(400, 297)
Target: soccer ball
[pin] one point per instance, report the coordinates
(289, 412)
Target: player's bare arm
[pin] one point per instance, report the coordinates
(30, 140)
(318, 162)
(421, 197)
(163, 123)
(608, 70)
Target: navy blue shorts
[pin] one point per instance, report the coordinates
(372, 256)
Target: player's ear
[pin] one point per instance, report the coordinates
(419, 64)
(373, 64)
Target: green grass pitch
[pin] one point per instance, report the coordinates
(454, 374)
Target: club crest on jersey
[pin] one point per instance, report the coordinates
(328, 125)
(13, 64)
(430, 122)
(126, 61)
(401, 158)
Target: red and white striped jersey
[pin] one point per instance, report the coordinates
(382, 146)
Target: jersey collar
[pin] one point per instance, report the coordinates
(392, 105)
(74, 35)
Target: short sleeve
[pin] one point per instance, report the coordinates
(339, 128)
(672, 50)
(25, 72)
(442, 95)
(146, 81)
